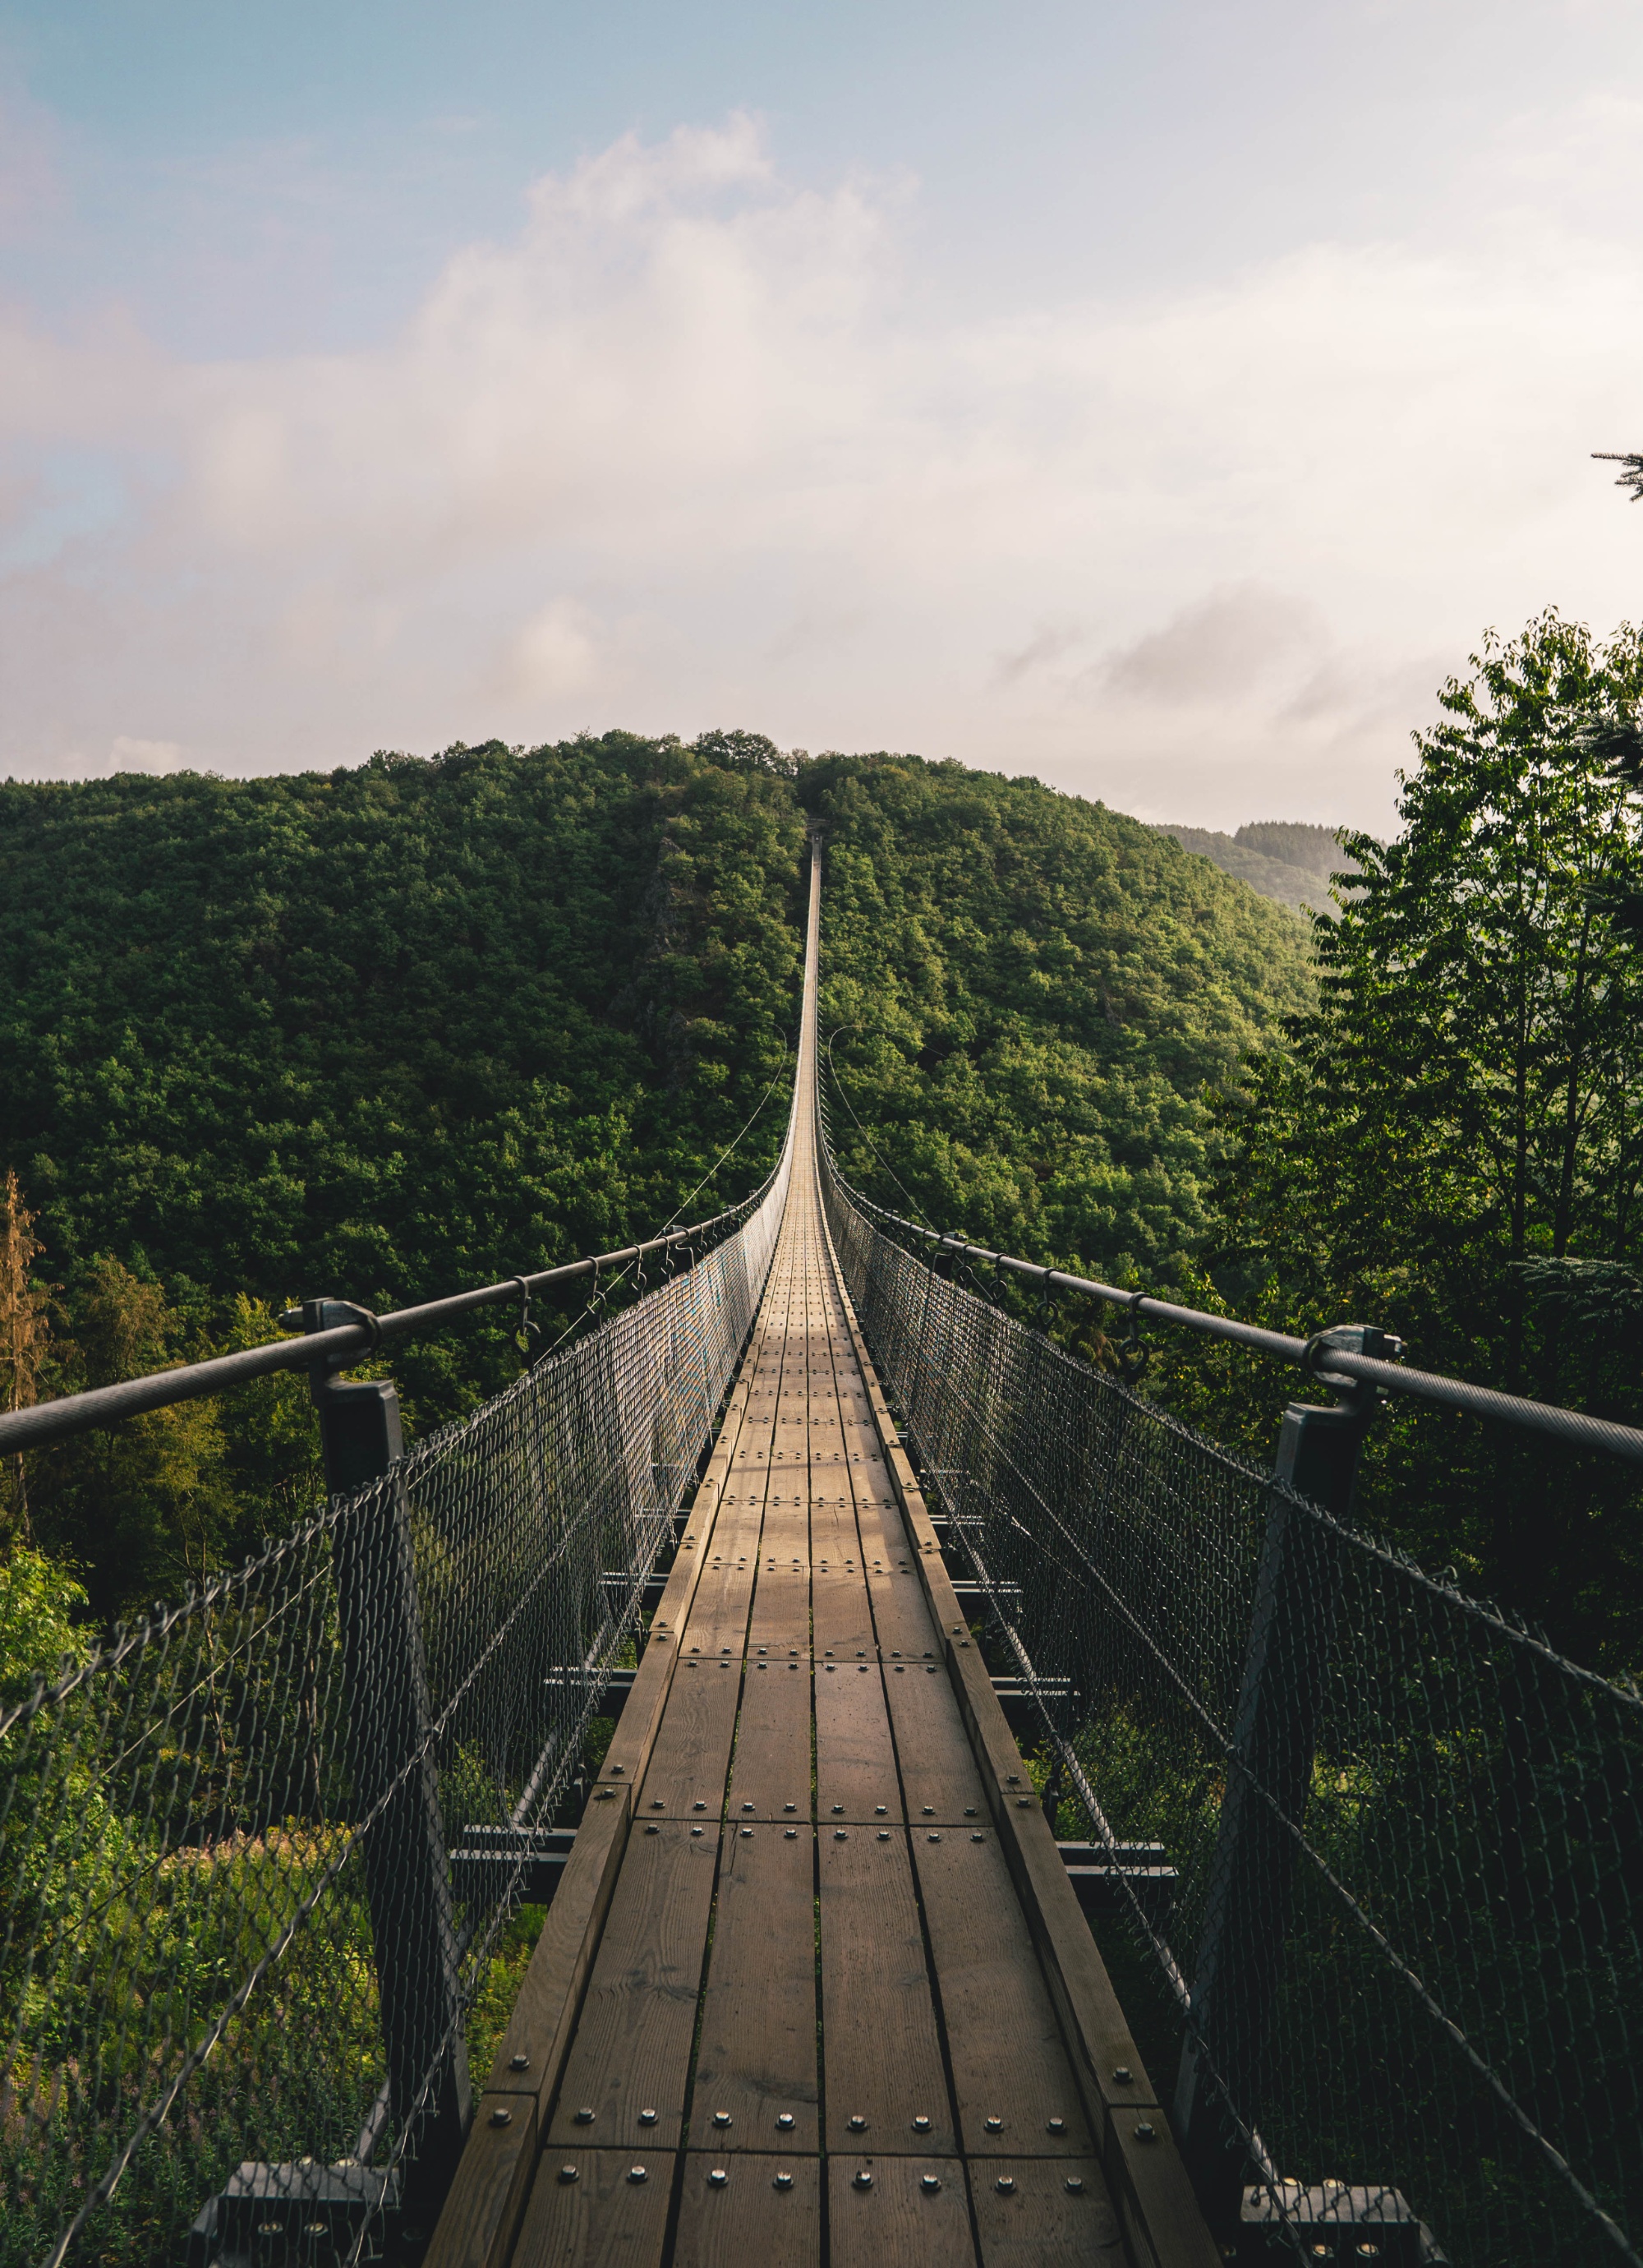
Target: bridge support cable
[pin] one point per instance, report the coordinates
(1402, 1969)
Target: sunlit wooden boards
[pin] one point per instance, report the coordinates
(770, 1775)
(855, 1758)
(886, 2087)
(629, 2072)
(757, 2082)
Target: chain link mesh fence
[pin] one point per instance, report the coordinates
(1400, 1840)
(257, 1855)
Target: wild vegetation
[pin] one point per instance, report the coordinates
(1032, 1000)
(382, 1034)
(391, 1031)
(1451, 1142)
(421, 1024)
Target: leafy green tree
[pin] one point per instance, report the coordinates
(1452, 1144)
(41, 1609)
(146, 1507)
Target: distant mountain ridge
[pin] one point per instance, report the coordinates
(1283, 859)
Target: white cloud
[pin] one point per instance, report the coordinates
(690, 450)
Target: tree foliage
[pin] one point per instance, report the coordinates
(385, 1032)
(1451, 1144)
(1034, 999)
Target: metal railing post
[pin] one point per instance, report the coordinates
(1239, 1968)
(407, 1877)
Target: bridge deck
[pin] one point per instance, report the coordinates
(790, 2006)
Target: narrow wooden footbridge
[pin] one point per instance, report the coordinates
(815, 1986)
(802, 1499)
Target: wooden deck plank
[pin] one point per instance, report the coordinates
(835, 1550)
(881, 2051)
(718, 1612)
(841, 1621)
(856, 1759)
(632, 2049)
(939, 1779)
(1044, 2212)
(770, 1775)
(747, 2221)
(587, 2212)
(756, 2060)
(1013, 2072)
(691, 1761)
(780, 1614)
(835, 1555)
(911, 2213)
(901, 1614)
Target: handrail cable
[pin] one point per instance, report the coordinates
(1314, 1355)
(107, 1406)
(600, 1297)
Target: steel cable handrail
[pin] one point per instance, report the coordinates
(343, 1343)
(1313, 1355)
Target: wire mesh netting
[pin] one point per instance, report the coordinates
(1380, 1852)
(257, 1855)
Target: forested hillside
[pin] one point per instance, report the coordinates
(388, 1031)
(1039, 997)
(381, 1033)
(1281, 858)
(392, 1030)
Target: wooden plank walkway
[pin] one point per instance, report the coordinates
(815, 1989)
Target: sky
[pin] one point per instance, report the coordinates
(1162, 401)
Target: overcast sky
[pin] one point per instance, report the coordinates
(1160, 399)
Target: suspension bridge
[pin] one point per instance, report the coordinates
(882, 1589)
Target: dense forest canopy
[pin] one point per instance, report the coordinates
(1039, 999)
(388, 1031)
(392, 1028)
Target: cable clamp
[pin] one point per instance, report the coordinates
(337, 1312)
(1357, 1395)
(526, 1333)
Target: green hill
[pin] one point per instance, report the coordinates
(388, 1031)
(391, 1029)
(1281, 858)
(1041, 992)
